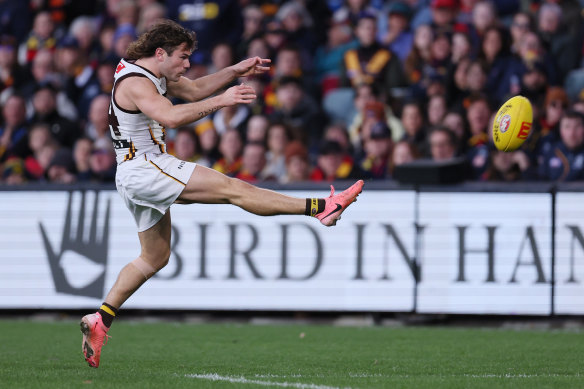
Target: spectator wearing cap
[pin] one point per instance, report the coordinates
(42, 36)
(297, 163)
(298, 111)
(13, 132)
(371, 63)
(565, 161)
(562, 45)
(79, 80)
(377, 151)
(329, 164)
(444, 14)
(61, 169)
(398, 36)
(123, 36)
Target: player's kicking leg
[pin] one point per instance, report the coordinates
(211, 187)
(155, 244)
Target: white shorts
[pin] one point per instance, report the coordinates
(150, 183)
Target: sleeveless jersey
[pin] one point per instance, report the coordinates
(133, 132)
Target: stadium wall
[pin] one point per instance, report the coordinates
(463, 249)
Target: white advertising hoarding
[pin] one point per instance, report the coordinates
(569, 286)
(64, 250)
(485, 253)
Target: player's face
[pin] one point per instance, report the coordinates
(177, 64)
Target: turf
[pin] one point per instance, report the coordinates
(177, 355)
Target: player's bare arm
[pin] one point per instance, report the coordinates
(195, 90)
(138, 93)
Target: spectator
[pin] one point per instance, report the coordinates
(443, 144)
(39, 137)
(420, 55)
(257, 128)
(565, 161)
(185, 145)
(330, 164)
(370, 62)
(278, 137)
(297, 165)
(377, 148)
(235, 116)
(252, 163)
(454, 121)
(444, 15)
(352, 10)
(44, 102)
(398, 36)
(521, 24)
(61, 169)
(478, 117)
(222, 56)
(103, 164)
(298, 111)
(42, 36)
(11, 74)
(149, 15)
(413, 121)
(328, 57)
(437, 108)
(231, 148)
(208, 142)
(253, 19)
(403, 152)
(484, 16)
(82, 158)
(297, 24)
(562, 45)
(461, 46)
(84, 31)
(507, 166)
(98, 126)
(13, 133)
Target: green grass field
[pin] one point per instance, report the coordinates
(167, 355)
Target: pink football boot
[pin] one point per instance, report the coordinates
(94, 332)
(335, 204)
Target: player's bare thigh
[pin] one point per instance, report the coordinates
(208, 186)
(155, 242)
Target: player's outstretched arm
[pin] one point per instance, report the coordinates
(195, 90)
(139, 93)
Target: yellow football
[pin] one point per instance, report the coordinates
(512, 123)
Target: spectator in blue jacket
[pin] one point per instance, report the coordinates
(565, 162)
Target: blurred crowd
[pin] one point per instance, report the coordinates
(356, 87)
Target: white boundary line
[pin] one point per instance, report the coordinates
(243, 380)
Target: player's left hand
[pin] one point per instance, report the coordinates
(252, 66)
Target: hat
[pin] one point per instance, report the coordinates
(63, 157)
(295, 149)
(380, 130)
(399, 8)
(68, 42)
(330, 147)
(366, 15)
(452, 4)
(556, 93)
(125, 29)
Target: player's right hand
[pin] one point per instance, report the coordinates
(239, 94)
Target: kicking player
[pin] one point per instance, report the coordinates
(150, 180)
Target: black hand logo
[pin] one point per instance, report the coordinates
(92, 249)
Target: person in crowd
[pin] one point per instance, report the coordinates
(402, 152)
(253, 162)
(231, 148)
(413, 121)
(13, 131)
(478, 117)
(257, 128)
(278, 137)
(297, 163)
(377, 152)
(370, 62)
(398, 36)
(42, 36)
(443, 144)
(329, 165)
(186, 145)
(565, 161)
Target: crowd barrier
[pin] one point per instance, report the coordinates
(460, 249)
